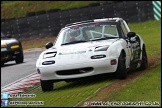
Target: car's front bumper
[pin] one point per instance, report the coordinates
(63, 72)
(9, 55)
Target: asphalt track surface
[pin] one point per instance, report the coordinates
(12, 72)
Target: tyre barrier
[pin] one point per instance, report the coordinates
(53, 10)
(30, 14)
(40, 12)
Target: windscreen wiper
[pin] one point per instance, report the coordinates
(73, 42)
(104, 38)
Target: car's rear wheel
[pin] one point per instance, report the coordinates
(121, 72)
(144, 63)
(19, 58)
(46, 85)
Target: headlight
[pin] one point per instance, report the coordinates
(14, 46)
(49, 55)
(101, 48)
(3, 44)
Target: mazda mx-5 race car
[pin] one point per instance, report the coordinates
(90, 48)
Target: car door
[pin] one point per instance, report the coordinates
(133, 44)
(135, 49)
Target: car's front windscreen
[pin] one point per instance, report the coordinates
(85, 33)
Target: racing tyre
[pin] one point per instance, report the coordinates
(46, 85)
(19, 58)
(121, 72)
(144, 63)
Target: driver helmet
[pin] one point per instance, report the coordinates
(77, 34)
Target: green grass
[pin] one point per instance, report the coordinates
(35, 46)
(67, 94)
(6, 1)
(18, 9)
(146, 88)
(150, 31)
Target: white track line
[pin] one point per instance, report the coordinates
(18, 80)
(21, 84)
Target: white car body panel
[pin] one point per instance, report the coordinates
(78, 56)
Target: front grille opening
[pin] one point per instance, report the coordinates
(75, 71)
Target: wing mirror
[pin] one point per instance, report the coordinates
(131, 34)
(49, 45)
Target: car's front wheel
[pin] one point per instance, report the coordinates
(19, 58)
(46, 85)
(121, 72)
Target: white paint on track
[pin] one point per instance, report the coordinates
(21, 84)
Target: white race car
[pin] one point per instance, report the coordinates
(90, 48)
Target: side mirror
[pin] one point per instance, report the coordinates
(131, 34)
(49, 45)
(9, 36)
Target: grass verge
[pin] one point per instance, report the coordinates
(18, 9)
(66, 94)
(150, 31)
(146, 88)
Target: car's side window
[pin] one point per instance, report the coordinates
(111, 30)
